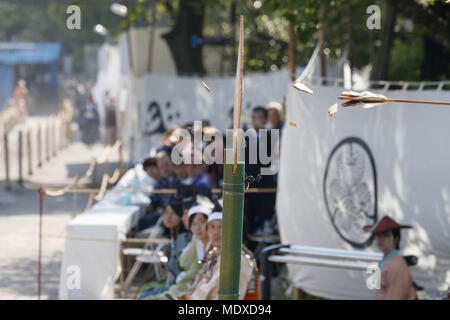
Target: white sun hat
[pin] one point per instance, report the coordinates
(217, 215)
(198, 209)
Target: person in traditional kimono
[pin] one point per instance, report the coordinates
(193, 255)
(396, 282)
(206, 284)
(180, 239)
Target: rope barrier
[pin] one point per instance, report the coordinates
(131, 240)
(91, 169)
(157, 191)
(108, 150)
(89, 172)
(60, 192)
(103, 187)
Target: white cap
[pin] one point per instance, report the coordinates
(217, 215)
(198, 209)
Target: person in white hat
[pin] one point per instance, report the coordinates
(206, 284)
(275, 115)
(192, 256)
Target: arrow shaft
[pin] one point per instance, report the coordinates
(396, 100)
(421, 102)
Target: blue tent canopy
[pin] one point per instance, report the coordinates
(13, 53)
(29, 52)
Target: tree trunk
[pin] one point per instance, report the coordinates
(291, 51)
(233, 35)
(388, 35)
(323, 62)
(152, 36)
(189, 22)
(350, 47)
(433, 68)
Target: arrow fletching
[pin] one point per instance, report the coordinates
(333, 109)
(301, 87)
(367, 99)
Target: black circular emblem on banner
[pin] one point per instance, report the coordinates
(350, 190)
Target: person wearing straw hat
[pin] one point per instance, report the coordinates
(206, 284)
(396, 282)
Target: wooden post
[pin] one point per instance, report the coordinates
(94, 175)
(54, 136)
(20, 158)
(41, 209)
(6, 150)
(29, 153)
(39, 146)
(47, 142)
(68, 133)
(61, 134)
(121, 157)
(121, 292)
(299, 294)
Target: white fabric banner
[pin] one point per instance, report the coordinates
(164, 101)
(340, 173)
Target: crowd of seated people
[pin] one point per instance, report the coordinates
(194, 259)
(192, 217)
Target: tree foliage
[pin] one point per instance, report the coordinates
(421, 30)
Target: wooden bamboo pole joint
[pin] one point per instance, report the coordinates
(29, 153)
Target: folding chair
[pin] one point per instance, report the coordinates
(151, 253)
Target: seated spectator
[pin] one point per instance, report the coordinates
(180, 171)
(167, 180)
(192, 257)
(275, 115)
(197, 171)
(151, 168)
(143, 176)
(191, 196)
(180, 239)
(168, 139)
(206, 284)
(214, 171)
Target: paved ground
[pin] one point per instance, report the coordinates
(19, 220)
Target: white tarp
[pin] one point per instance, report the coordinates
(91, 261)
(409, 180)
(164, 101)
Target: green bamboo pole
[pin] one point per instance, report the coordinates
(233, 194)
(233, 207)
